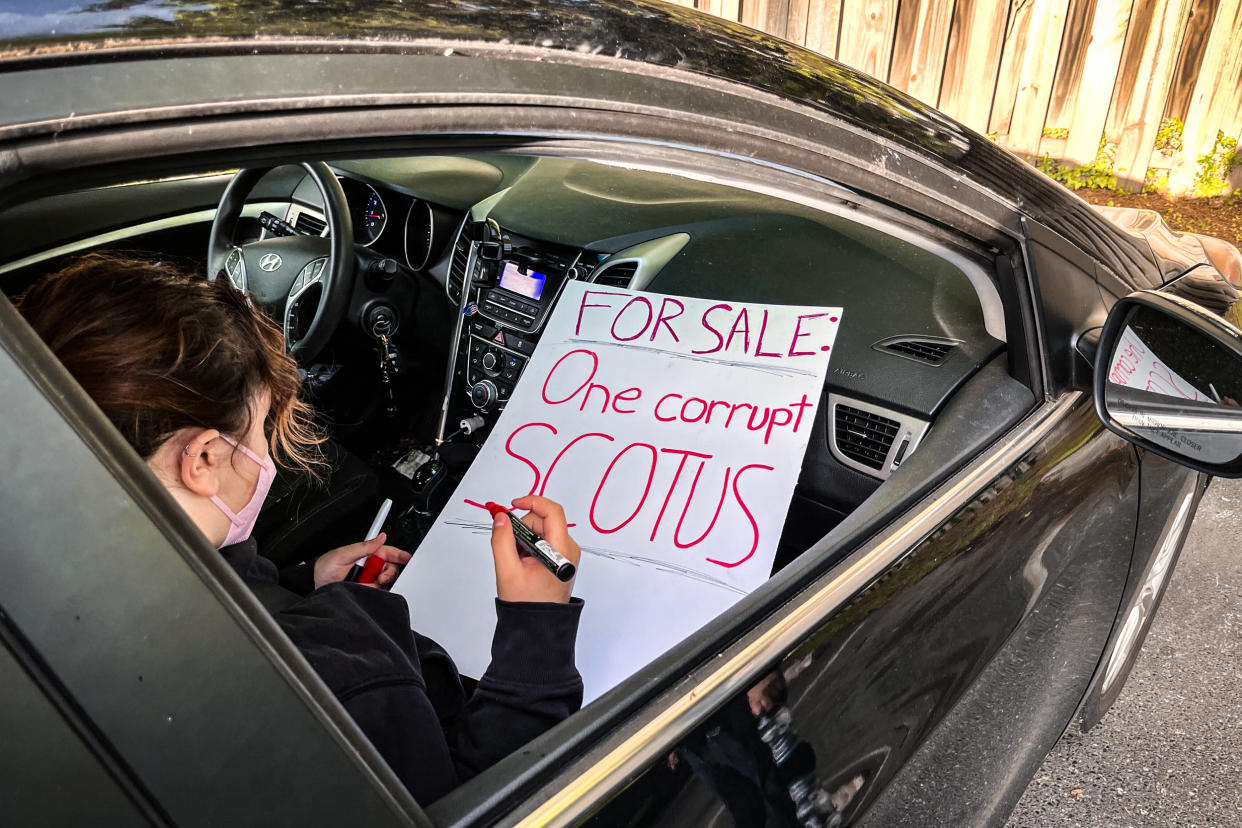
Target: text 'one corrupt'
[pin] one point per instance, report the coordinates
(573, 381)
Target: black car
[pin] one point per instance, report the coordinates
(971, 560)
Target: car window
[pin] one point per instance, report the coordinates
(924, 320)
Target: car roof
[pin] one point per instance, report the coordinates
(654, 33)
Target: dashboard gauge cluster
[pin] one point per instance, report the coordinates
(427, 228)
(369, 213)
(419, 235)
(374, 217)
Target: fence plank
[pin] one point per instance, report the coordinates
(866, 41)
(1012, 51)
(972, 61)
(728, 9)
(776, 18)
(753, 13)
(1038, 68)
(795, 27)
(1140, 120)
(920, 46)
(1217, 98)
(1071, 63)
(822, 25)
(1090, 112)
(1131, 56)
(1189, 61)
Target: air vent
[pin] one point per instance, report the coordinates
(310, 224)
(619, 275)
(921, 349)
(457, 267)
(864, 437)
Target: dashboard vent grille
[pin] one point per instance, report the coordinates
(931, 351)
(457, 267)
(310, 224)
(864, 437)
(618, 275)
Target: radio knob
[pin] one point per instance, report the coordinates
(483, 394)
(490, 361)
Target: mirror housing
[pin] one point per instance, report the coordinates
(1168, 378)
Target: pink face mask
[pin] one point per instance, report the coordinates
(243, 521)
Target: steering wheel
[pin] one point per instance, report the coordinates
(293, 278)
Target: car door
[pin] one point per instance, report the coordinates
(142, 680)
(918, 681)
(959, 611)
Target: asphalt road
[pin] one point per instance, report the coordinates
(1170, 750)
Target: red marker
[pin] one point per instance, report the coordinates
(366, 570)
(535, 546)
(371, 569)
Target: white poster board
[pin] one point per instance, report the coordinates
(672, 430)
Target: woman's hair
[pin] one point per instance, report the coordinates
(160, 349)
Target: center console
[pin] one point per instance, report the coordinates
(504, 286)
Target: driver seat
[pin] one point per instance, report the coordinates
(303, 518)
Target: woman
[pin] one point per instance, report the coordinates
(198, 382)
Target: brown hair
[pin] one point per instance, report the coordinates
(160, 349)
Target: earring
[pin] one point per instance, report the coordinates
(186, 451)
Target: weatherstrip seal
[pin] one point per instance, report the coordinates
(251, 211)
(686, 707)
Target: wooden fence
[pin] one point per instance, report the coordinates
(1068, 79)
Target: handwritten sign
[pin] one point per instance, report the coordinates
(672, 430)
(1135, 366)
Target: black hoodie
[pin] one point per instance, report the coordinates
(404, 691)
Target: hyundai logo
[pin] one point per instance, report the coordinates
(269, 262)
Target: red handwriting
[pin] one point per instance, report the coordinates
(798, 334)
(584, 304)
(750, 517)
(721, 328)
(587, 386)
(1126, 364)
(1163, 381)
(580, 367)
(697, 409)
(635, 503)
(599, 490)
(642, 329)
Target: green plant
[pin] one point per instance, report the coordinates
(1157, 181)
(1212, 178)
(1056, 132)
(1098, 175)
(1169, 136)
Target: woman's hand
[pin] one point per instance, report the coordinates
(522, 577)
(335, 565)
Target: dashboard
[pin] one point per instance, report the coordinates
(502, 235)
(481, 247)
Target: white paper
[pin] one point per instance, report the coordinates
(672, 430)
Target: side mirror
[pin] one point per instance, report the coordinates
(1168, 378)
